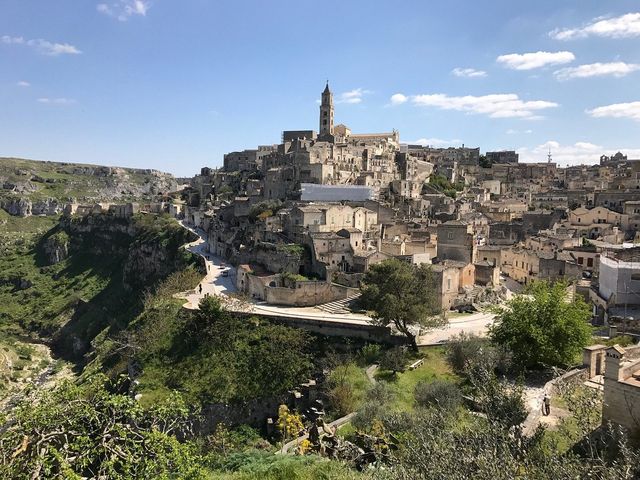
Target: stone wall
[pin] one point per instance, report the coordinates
(306, 293)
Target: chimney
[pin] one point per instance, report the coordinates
(613, 361)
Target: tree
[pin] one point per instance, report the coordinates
(543, 326)
(394, 359)
(402, 294)
(87, 432)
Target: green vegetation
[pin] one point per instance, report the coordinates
(289, 279)
(262, 210)
(402, 294)
(214, 356)
(445, 186)
(484, 162)
(85, 431)
(543, 327)
(292, 249)
(346, 388)
(403, 385)
(67, 181)
(84, 295)
(266, 466)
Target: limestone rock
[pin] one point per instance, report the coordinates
(56, 248)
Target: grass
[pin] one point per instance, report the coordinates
(266, 466)
(434, 367)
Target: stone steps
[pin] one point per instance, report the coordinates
(338, 306)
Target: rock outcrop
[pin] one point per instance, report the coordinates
(19, 207)
(55, 248)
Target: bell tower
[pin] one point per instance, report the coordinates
(326, 112)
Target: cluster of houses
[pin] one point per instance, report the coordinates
(312, 214)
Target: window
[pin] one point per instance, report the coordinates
(448, 284)
(450, 235)
(580, 260)
(589, 262)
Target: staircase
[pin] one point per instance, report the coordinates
(338, 306)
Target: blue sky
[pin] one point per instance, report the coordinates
(174, 85)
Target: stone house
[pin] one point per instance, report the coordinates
(617, 297)
(487, 274)
(505, 233)
(598, 221)
(524, 266)
(621, 403)
(447, 284)
(456, 242)
(363, 260)
(490, 253)
(330, 251)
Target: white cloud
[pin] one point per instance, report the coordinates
(12, 40)
(615, 69)
(468, 72)
(529, 61)
(512, 131)
(43, 46)
(123, 10)
(576, 154)
(624, 26)
(56, 101)
(398, 98)
(436, 142)
(617, 110)
(22, 83)
(505, 105)
(352, 96)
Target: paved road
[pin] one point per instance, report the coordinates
(476, 323)
(214, 283)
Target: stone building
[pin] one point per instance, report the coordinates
(621, 403)
(503, 156)
(617, 298)
(456, 242)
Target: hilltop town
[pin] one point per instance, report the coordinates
(321, 207)
(245, 294)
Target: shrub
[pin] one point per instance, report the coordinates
(370, 353)
(438, 393)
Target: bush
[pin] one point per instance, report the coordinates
(469, 352)
(370, 353)
(622, 340)
(438, 393)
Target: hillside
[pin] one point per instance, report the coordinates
(30, 187)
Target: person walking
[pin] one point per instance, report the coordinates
(546, 404)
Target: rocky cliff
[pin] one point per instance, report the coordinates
(29, 187)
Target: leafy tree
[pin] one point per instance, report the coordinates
(401, 294)
(74, 432)
(394, 360)
(544, 326)
(484, 162)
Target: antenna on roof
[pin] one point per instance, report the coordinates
(549, 156)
